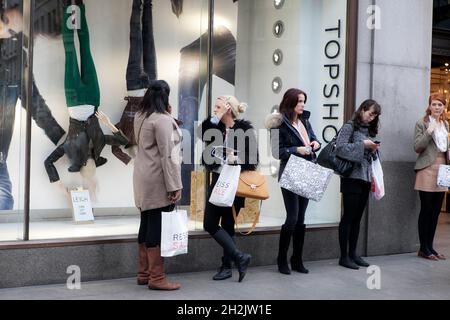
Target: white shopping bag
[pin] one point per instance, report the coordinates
(378, 180)
(225, 189)
(174, 233)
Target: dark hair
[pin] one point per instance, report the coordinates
(290, 101)
(156, 99)
(374, 124)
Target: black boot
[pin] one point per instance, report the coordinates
(225, 270)
(348, 263)
(285, 240)
(359, 261)
(242, 260)
(297, 254)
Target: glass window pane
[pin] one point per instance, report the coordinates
(281, 45)
(12, 121)
(108, 53)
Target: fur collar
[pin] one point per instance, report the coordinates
(275, 120)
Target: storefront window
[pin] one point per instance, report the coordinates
(125, 44)
(100, 54)
(282, 45)
(12, 121)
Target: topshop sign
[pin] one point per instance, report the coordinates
(332, 89)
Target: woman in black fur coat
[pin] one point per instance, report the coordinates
(232, 141)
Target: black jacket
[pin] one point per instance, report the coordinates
(77, 146)
(241, 137)
(288, 139)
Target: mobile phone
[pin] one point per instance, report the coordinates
(377, 142)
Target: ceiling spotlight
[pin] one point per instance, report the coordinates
(277, 85)
(278, 4)
(278, 29)
(277, 57)
(275, 110)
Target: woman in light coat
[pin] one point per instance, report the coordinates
(156, 180)
(431, 144)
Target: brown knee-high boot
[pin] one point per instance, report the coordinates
(157, 279)
(143, 273)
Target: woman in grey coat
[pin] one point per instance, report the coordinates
(354, 143)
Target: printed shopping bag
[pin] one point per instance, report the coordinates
(443, 179)
(225, 189)
(174, 233)
(305, 178)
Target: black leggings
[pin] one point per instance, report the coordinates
(430, 208)
(220, 217)
(150, 228)
(295, 210)
(354, 205)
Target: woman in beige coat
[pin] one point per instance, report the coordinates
(156, 180)
(431, 143)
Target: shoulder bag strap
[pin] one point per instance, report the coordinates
(255, 221)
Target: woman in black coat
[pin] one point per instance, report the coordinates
(233, 141)
(292, 134)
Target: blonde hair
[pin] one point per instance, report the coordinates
(237, 107)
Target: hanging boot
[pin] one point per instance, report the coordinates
(157, 277)
(297, 254)
(242, 260)
(143, 274)
(285, 240)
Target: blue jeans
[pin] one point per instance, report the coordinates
(142, 57)
(9, 95)
(192, 81)
(6, 198)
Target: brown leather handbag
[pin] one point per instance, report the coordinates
(252, 185)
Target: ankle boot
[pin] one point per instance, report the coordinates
(157, 277)
(346, 262)
(242, 260)
(142, 277)
(359, 261)
(297, 253)
(285, 240)
(225, 270)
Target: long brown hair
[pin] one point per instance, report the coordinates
(439, 97)
(289, 102)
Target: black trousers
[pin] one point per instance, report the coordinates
(430, 208)
(218, 217)
(150, 228)
(355, 195)
(295, 210)
(142, 56)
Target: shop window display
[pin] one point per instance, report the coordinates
(133, 42)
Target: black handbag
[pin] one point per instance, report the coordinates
(328, 159)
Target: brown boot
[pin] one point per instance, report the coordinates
(157, 279)
(143, 273)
